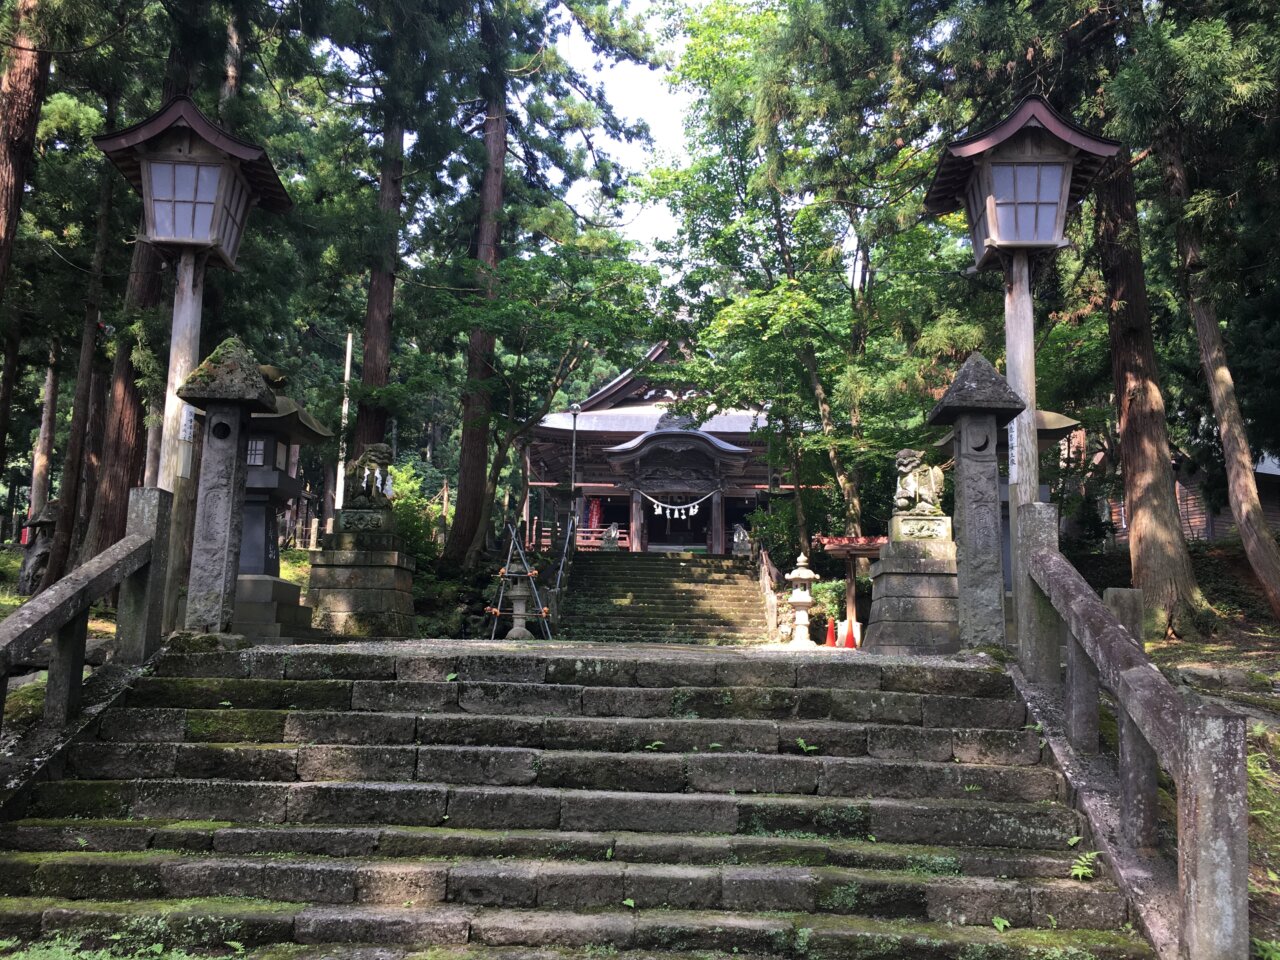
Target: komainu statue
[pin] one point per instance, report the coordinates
(368, 479)
(919, 490)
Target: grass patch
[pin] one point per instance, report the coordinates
(24, 707)
(10, 565)
(1264, 832)
(295, 566)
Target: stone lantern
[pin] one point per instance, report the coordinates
(520, 593)
(198, 183)
(802, 580)
(228, 387)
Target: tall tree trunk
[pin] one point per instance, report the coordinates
(1242, 488)
(69, 492)
(477, 401)
(8, 377)
(124, 445)
(22, 89)
(1157, 550)
(42, 456)
(371, 416)
(33, 555)
(91, 462)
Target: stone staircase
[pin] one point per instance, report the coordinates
(668, 597)
(491, 800)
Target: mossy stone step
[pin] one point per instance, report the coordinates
(711, 770)
(928, 821)
(591, 664)
(560, 884)
(227, 837)
(215, 923)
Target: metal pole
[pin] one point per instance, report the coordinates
(342, 432)
(1024, 455)
(178, 432)
(573, 463)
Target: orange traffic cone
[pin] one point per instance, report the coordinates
(831, 632)
(849, 640)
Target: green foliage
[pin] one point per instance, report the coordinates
(1083, 867)
(1001, 924)
(417, 517)
(69, 949)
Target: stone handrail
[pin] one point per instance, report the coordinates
(1201, 747)
(770, 576)
(135, 564)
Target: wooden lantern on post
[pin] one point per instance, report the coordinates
(197, 183)
(1016, 182)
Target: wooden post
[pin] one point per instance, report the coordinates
(717, 523)
(1139, 767)
(140, 608)
(341, 484)
(184, 353)
(1020, 371)
(636, 531)
(1041, 629)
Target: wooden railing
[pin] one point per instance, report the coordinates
(588, 538)
(1201, 747)
(137, 566)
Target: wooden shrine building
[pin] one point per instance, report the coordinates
(667, 483)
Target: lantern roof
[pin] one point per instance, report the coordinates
(977, 388)
(229, 375)
(958, 158)
(122, 148)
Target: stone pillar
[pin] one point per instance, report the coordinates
(141, 604)
(228, 387)
(978, 403)
(520, 594)
(1041, 630)
(717, 523)
(215, 546)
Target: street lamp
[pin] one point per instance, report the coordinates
(1016, 182)
(573, 461)
(198, 183)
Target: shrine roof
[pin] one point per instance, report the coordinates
(850, 547)
(645, 417)
(677, 434)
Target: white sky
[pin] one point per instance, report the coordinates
(638, 93)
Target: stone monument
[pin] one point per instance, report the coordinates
(978, 403)
(913, 584)
(362, 581)
(228, 387)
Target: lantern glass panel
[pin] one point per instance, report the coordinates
(182, 200)
(1027, 197)
(236, 207)
(257, 452)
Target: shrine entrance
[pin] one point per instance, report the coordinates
(677, 479)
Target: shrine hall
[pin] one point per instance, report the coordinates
(668, 484)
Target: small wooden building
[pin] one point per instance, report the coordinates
(669, 484)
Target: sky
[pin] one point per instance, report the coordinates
(638, 93)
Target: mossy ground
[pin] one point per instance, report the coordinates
(295, 566)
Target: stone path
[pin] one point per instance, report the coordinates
(504, 801)
(677, 598)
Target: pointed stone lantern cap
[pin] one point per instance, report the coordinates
(979, 389)
(229, 375)
(802, 576)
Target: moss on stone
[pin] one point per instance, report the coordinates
(235, 726)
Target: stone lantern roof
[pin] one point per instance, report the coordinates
(977, 388)
(229, 375)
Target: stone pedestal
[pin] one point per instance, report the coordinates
(268, 607)
(362, 581)
(914, 596)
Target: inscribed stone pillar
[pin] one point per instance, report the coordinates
(636, 533)
(717, 523)
(978, 403)
(228, 387)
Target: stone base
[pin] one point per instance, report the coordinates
(905, 526)
(914, 598)
(269, 607)
(364, 592)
